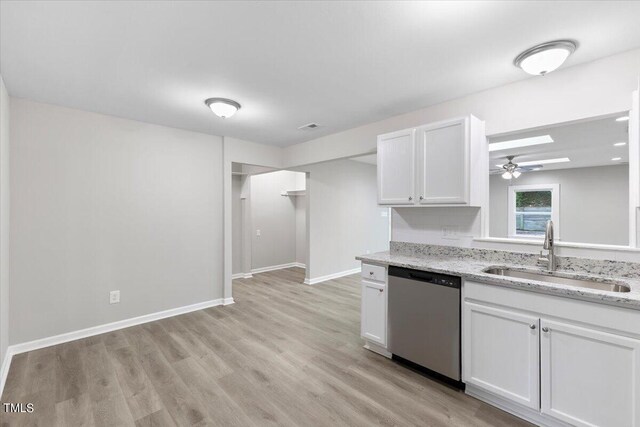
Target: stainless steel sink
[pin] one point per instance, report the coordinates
(551, 278)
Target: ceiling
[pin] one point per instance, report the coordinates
(586, 143)
(371, 159)
(339, 64)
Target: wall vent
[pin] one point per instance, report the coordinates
(309, 126)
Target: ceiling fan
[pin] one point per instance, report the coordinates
(511, 170)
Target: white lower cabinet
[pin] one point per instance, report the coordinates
(552, 360)
(502, 350)
(589, 377)
(374, 312)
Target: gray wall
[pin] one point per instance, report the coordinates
(275, 216)
(236, 193)
(345, 219)
(594, 203)
(4, 220)
(100, 203)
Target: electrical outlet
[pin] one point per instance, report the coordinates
(114, 297)
(450, 232)
(258, 233)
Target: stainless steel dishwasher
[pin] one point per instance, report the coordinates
(424, 322)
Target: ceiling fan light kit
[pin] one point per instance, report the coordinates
(510, 169)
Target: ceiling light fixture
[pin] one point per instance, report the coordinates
(543, 162)
(510, 169)
(622, 119)
(546, 57)
(222, 107)
(619, 144)
(519, 143)
(616, 159)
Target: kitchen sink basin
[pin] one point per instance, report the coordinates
(551, 278)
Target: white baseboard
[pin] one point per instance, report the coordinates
(300, 265)
(376, 348)
(528, 414)
(4, 369)
(237, 276)
(320, 279)
(12, 350)
(276, 267)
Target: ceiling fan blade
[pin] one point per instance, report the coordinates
(529, 168)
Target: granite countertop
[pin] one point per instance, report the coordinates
(458, 263)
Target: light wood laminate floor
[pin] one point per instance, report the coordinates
(284, 354)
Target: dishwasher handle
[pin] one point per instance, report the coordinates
(423, 277)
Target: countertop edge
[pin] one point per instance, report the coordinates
(564, 291)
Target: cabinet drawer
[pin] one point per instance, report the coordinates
(374, 272)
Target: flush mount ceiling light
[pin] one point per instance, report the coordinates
(546, 57)
(518, 143)
(622, 119)
(619, 144)
(616, 159)
(222, 107)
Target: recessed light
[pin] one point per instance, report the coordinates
(622, 119)
(619, 144)
(222, 107)
(519, 143)
(546, 57)
(543, 162)
(616, 159)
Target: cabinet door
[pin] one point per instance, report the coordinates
(500, 353)
(396, 168)
(374, 312)
(443, 163)
(589, 377)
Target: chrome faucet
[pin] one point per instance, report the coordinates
(550, 259)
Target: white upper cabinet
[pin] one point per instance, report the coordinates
(443, 173)
(442, 164)
(396, 168)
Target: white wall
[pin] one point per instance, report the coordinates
(240, 151)
(593, 89)
(301, 228)
(100, 203)
(237, 231)
(594, 203)
(425, 225)
(275, 216)
(589, 90)
(4, 219)
(344, 217)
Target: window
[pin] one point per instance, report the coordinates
(530, 207)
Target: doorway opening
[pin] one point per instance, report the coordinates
(269, 220)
